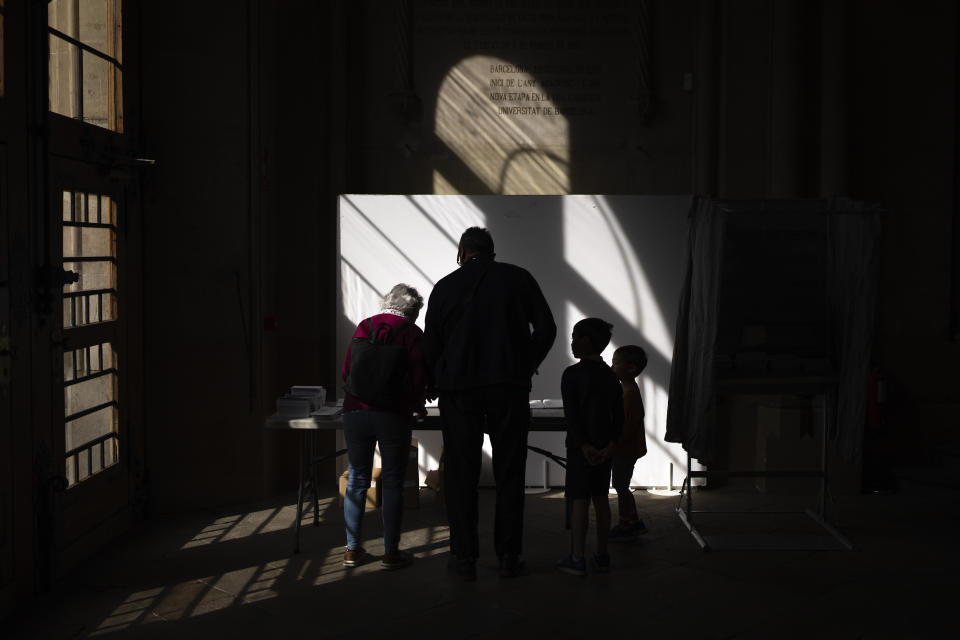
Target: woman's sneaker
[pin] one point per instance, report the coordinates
(601, 562)
(354, 557)
(576, 567)
(397, 560)
(623, 533)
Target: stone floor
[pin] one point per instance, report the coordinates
(231, 574)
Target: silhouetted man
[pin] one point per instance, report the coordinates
(481, 351)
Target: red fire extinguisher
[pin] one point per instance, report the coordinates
(878, 462)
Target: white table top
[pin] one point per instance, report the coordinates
(548, 419)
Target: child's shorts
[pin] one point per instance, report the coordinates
(585, 480)
(623, 472)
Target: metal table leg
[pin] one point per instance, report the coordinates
(315, 478)
(303, 468)
(309, 472)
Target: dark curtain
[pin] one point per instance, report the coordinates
(853, 232)
(690, 416)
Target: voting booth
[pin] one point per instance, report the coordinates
(777, 302)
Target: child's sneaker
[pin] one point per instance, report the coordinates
(623, 533)
(601, 562)
(576, 567)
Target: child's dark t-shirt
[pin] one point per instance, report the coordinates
(592, 404)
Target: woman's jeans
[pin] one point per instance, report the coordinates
(362, 431)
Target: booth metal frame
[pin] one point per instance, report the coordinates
(822, 386)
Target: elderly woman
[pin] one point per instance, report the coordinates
(364, 425)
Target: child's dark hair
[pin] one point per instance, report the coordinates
(596, 330)
(633, 355)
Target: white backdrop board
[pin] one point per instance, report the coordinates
(619, 258)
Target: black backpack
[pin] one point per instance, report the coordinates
(378, 368)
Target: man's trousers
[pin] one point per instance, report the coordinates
(504, 413)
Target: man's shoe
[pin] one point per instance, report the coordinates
(512, 566)
(601, 562)
(622, 533)
(574, 567)
(397, 560)
(465, 568)
(354, 557)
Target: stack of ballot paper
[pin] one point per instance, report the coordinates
(327, 412)
(301, 401)
(291, 407)
(316, 395)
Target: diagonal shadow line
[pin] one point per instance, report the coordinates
(436, 224)
(307, 514)
(460, 168)
(359, 275)
(478, 102)
(151, 602)
(266, 521)
(467, 83)
(618, 238)
(616, 318)
(657, 360)
(515, 135)
(461, 83)
(217, 534)
(389, 241)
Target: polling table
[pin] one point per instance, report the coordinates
(331, 418)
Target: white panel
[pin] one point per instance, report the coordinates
(614, 257)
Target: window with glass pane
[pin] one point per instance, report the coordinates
(90, 410)
(85, 61)
(90, 254)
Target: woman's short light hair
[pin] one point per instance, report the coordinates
(403, 298)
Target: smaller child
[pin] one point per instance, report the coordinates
(593, 412)
(628, 362)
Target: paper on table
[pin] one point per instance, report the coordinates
(327, 412)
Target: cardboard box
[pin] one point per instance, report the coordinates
(411, 482)
(434, 480)
(374, 493)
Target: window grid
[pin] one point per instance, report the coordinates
(90, 411)
(75, 60)
(90, 374)
(89, 252)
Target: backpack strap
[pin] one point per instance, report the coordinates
(371, 332)
(458, 313)
(386, 330)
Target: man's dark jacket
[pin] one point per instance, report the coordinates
(488, 341)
